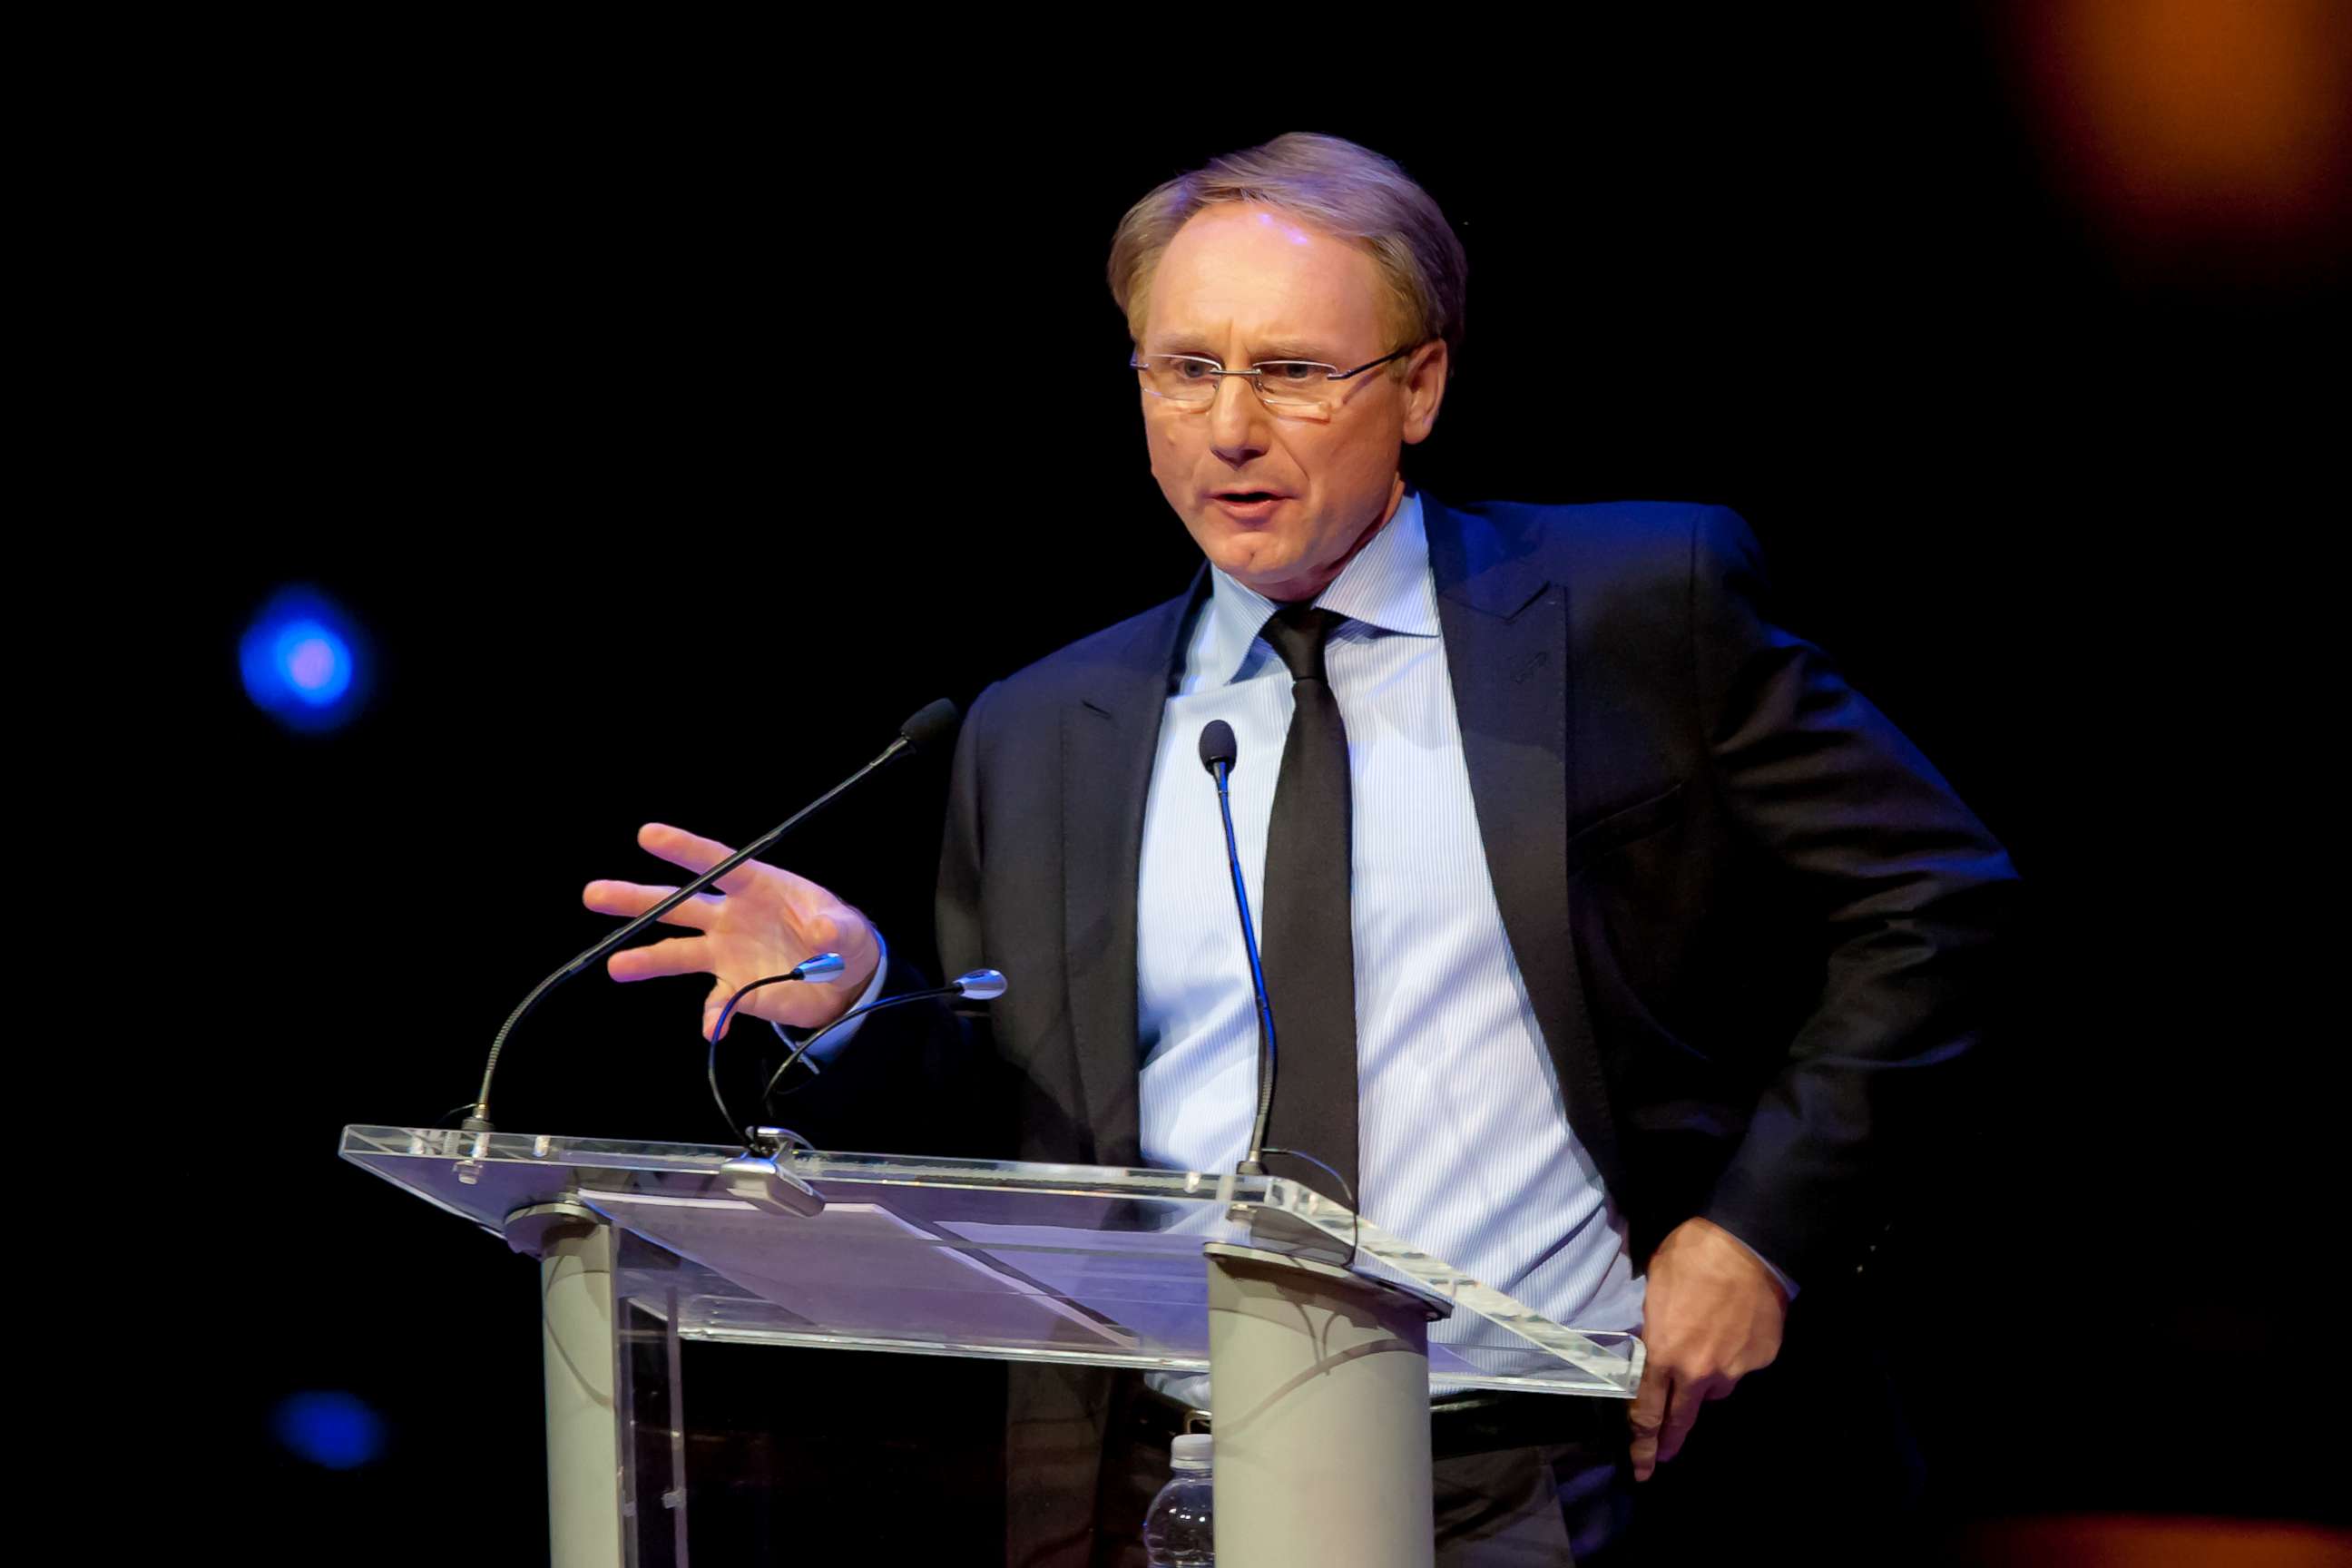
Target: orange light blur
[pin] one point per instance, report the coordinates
(2177, 117)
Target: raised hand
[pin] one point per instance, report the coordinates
(762, 921)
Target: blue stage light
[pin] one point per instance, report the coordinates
(301, 661)
(332, 1429)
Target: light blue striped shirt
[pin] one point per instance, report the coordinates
(1463, 1143)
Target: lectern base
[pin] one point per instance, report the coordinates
(1319, 1389)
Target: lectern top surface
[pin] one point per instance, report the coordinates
(1089, 1264)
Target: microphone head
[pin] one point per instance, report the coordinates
(980, 985)
(932, 725)
(823, 966)
(1217, 745)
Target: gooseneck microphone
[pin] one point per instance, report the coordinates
(823, 968)
(1219, 752)
(975, 985)
(933, 724)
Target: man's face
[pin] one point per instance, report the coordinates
(1277, 501)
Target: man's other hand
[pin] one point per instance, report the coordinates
(1713, 1314)
(762, 921)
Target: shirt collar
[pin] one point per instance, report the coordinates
(1385, 587)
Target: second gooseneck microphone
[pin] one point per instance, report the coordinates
(973, 985)
(1219, 752)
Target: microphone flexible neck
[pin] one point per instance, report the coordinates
(934, 993)
(1253, 1163)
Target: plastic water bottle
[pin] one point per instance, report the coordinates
(1179, 1532)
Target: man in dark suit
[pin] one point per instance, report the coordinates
(1739, 929)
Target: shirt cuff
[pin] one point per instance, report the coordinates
(1786, 1283)
(833, 1043)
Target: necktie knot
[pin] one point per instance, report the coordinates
(1298, 633)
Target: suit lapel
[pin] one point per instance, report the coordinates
(1111, 736)
(1505, 627)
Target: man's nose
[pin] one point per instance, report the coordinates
(1237, 421)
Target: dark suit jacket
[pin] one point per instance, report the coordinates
(1755, 923)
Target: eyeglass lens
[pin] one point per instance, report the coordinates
(1182, 378)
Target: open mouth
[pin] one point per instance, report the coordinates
(1246, 498)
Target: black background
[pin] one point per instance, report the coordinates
(606, 400)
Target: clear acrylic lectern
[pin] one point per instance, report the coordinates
(1313, 1324)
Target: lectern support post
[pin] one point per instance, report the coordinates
(1318, 1386)
(580, 1345)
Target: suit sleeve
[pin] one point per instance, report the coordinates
(1910, 893)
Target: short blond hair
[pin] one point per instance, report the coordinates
(1344, 189)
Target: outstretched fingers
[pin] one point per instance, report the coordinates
(694, 852)
(678, 955)
(606, 897)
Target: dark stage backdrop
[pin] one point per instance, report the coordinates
(632, 431)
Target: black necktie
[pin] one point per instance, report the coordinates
(1309, 946)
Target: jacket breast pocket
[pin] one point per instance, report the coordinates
(1624, 826)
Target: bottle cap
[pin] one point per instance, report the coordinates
(1191, 1451)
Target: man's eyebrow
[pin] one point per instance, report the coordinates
(1270, 349)
(1293, 348)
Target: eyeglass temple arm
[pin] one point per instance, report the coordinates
(1372, 365)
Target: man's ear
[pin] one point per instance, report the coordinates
(1424, 389)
